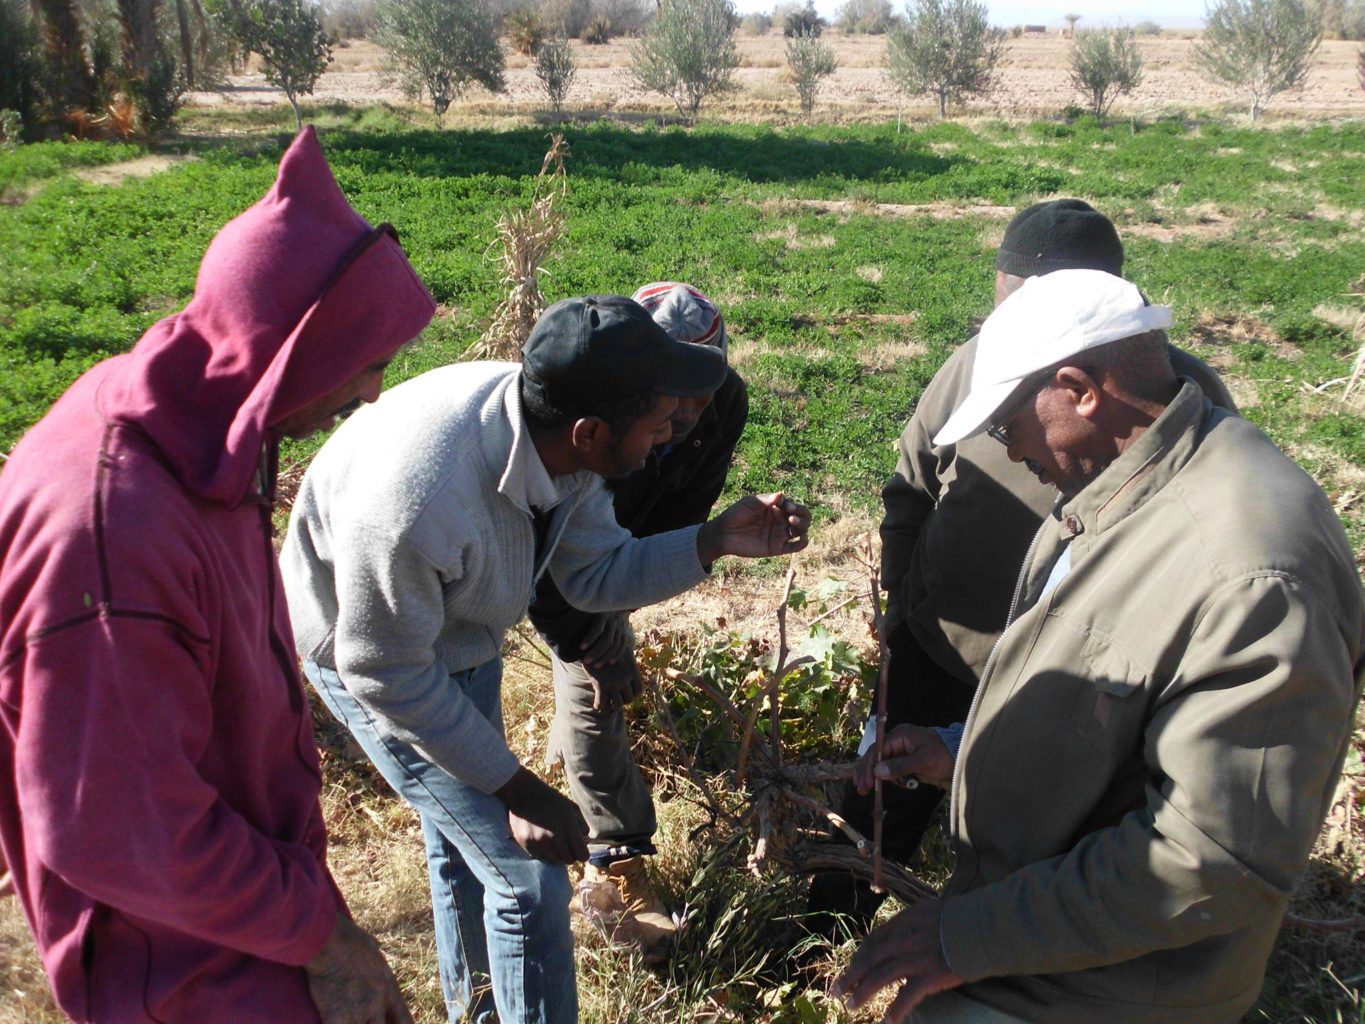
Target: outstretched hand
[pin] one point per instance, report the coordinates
(905, 949)
(908, 751)
(756, 526)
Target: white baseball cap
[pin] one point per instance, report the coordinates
(1043, 324)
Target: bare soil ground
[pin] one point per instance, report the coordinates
(1034, 80)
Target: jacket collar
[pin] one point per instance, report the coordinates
(1141, 471)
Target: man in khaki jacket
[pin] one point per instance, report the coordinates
(1158, 732)
(958, 522)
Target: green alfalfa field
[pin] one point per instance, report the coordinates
(849, 262)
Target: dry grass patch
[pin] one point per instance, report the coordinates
(1218, 330)
(1244, 391)
(26, 997)
(938, 211)
(1337, 215)
(790, 237)
(1201, 222)
(1200, 232)
(1346, 318)
(1333, 473)
(744, 353)
(142, 167)
(890, 354)
(746, 602)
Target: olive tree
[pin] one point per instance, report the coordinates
(946, 48)
(808, 61)
(865, 17)
(287, 35)
(1105, 64)
(687, 52)
(555, 66)
(437, 48)
(1259, 46)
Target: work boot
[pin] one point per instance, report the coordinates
(646, 919)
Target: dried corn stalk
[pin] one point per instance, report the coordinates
(524, 243)
(1358, 337)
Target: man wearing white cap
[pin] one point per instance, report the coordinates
(595, 673)
(959, 518)
(1158, 733)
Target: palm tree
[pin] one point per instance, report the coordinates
(141, 44)
(65, 46)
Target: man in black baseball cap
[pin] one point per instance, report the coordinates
(959, 520)
(417, 539)
(597, 348)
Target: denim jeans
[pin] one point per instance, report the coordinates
(499, 913)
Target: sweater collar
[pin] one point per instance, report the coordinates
(1141, 471)
(525, 481)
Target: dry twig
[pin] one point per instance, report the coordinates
(883, 665)
(774, 686)
(781, 802)
(1358, 335)
(1345, 924)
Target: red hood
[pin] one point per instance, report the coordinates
(294, 297)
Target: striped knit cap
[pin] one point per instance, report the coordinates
(685, 313)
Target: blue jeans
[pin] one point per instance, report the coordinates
(499, 913)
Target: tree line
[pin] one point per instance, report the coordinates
(121, 67)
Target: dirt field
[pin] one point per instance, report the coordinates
(1034, 80)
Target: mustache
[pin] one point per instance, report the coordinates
(349, 408)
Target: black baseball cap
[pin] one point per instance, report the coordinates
(587, 351)
(1060, 234)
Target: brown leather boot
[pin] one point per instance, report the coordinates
(646, 918)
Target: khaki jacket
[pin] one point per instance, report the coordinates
(1155, 741)
(959, 519)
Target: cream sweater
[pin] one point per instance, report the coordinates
(411, 551)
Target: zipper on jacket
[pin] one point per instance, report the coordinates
(985, 674)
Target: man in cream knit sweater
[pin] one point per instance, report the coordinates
(416, 542)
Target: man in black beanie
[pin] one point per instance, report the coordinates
(959, 520)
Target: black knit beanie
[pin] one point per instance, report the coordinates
(1061, 234)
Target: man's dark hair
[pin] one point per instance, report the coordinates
(619, 414)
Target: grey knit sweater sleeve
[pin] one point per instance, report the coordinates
(598, 566)
(391, 610)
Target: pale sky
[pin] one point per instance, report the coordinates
(1170, 13)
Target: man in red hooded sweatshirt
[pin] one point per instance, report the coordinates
(158, 774)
